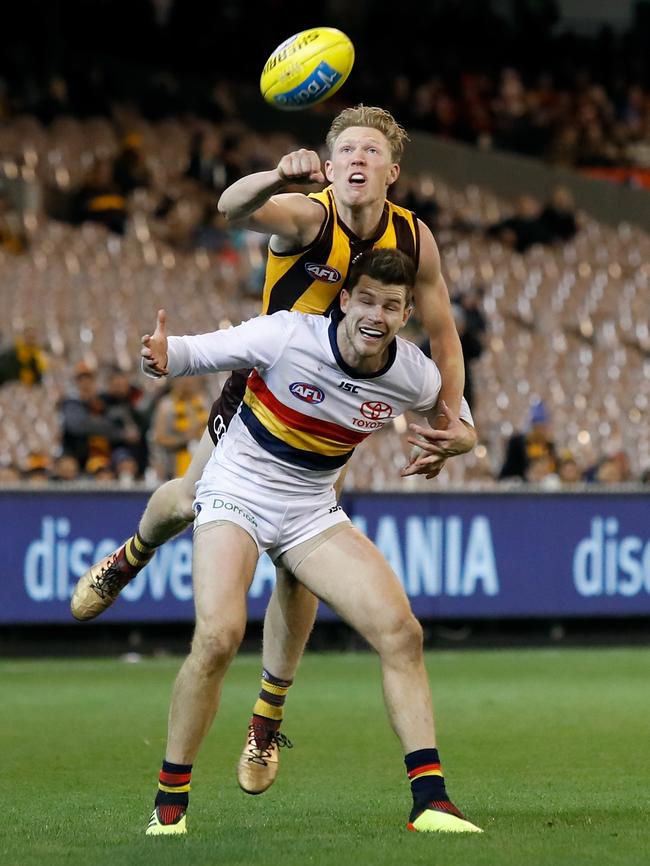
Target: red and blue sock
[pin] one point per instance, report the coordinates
(173, 791)
(427, 783)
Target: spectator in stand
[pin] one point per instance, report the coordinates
(100, 469)
(535, 443)
(608, 471)
(125, 467)
(100, 199)
(12, 237)
(523, 229)
(567, 468)
(122, 400)
(88, 431)
(206, 165)
(542, 470)
(212, 233)
(130, 167)
(418, 194)
(472, 334)
(512, 126)
(622, 459)
(25, 360)
(66, 468)
(471, 326)
(179, 215)
(9, 474)
(178, 424)
(613, 468)
(595, 149)
(37, 469)
(558, 216)
(563, 150)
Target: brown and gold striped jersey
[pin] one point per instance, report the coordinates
(309, 280)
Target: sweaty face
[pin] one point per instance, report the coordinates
(361, 166)
(374, 313)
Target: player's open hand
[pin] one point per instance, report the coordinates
(154, 348)
(434, 445)
(301, 166)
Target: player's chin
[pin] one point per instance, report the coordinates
(355, 196)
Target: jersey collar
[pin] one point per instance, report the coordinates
(355, 239)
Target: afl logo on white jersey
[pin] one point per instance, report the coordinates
(324, 273)
(307, 393)
(375, 410)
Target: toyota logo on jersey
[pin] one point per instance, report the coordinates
(308, 393)
(376, 410)
(324, 273)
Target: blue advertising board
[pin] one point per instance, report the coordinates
(458, 556)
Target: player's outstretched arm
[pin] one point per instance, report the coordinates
(434, 444)
(252, 201)
(154, 353)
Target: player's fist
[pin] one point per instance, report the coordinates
(301, 166)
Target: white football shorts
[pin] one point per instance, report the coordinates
(276, 522)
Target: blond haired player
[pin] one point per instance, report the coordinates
(313, 240)
(269, 486)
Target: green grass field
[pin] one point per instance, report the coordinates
(546, 750)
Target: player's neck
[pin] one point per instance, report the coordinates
(362, 220)
(360, 364)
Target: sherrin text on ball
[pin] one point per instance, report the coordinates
(307, 68)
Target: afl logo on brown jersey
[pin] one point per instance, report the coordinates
(323, 273)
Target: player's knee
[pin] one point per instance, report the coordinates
(212, 649)
(182, 499)
(402, 638)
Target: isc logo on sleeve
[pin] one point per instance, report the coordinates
(307, 393)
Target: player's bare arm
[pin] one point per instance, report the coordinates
(258, 203)
(434, 308)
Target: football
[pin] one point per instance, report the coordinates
(307, 68)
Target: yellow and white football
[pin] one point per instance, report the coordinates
(307, 68)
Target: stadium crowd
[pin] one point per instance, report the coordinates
(110, 183)
(140, 198)
(518, 80)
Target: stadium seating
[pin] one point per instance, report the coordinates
(567, 323)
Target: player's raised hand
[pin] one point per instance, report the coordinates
(154, 348)
(301, 166)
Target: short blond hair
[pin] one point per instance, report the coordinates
(374, 118)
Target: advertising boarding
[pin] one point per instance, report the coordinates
(501, 555)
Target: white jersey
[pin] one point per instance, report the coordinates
(305, 409)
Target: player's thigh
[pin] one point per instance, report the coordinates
(297, 603)
(223, 562)
(349, 574)
(194, 471)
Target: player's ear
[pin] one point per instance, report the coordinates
(344, 300)
(393, 173)
(329, 174)
(407, 313)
